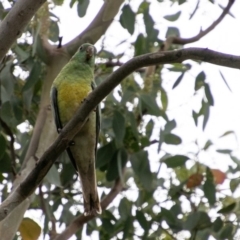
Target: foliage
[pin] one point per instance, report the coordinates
(166, 195)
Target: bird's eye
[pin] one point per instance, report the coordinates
(81, 48)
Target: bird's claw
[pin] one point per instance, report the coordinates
(83, 100)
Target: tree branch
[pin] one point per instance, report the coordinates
(28, 186)
(98, 26)
(179, 40)
(76, 224)
(15, 21)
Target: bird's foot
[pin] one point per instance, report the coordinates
(84, 100)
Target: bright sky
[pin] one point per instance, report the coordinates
(225, 115)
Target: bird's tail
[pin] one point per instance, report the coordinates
(92, 204)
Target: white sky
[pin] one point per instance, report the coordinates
(225, 115)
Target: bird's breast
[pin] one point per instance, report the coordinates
(70, 97)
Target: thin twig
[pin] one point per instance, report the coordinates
(76, 224)
(202, 33)
(194, 11)
(46, 211)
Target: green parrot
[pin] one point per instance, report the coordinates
(69, 90)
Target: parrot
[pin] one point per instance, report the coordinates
(69, 89)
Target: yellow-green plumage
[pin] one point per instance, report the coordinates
(70, 88)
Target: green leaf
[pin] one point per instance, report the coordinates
(124, 208)
(206, 113)
(179, 79)
(148, 20)
(226, 133)
(226, 232)
(209, 188)
(168, 216)
(91, 226)
(207, 144)
(107, 225)
(104, 154)
(228, 209)
(82, 7)
(58, 2)
(217, 224)
(7, 80)
(195, 117)
(181, 1)
(27, 98)
(224, 151)
(5, 97)
(127, 18)
(142, 220)
(22, 55)
(5, 163)
(72, 3)
(176, 209)
(234, 183)
(173, 17)
(17, 109)
(128, 228)
(197, 220)
(53, 31)
(127, 96)
(175, 161)
(118, 125)
(122, 158)
(149, 128)
(150, 104)
(200, 80)
(132, 123)
(173, 139)
(6, 112)
(192, 221)
(53, 176)
(66, 214)
(33, 76)
(164, 99)
(140, 45)
(141, 167)
(170, 125)
(3, 145)
(172, 31)
(67, 173)
(208, 94)
(225, 81)
(115, 166)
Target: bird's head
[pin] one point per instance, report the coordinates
(86, 53)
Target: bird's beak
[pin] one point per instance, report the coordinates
(90, 52)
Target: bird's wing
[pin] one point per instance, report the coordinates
(93, 85)
(56, 110)
(58, 122)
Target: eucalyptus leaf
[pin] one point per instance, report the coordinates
(127, 18)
